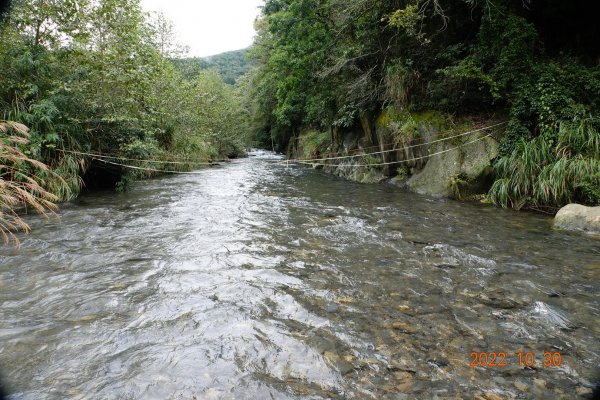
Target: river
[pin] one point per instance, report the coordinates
(257, 280)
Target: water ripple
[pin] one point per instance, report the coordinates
(257, 280)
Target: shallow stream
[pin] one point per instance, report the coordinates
(254, 280)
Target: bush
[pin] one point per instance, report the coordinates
(313, 143)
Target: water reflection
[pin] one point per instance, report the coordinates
(258, 280)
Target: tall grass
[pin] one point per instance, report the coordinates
(64, 178)
(23, 182)
(551, 171)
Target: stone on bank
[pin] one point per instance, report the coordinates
(576, 217)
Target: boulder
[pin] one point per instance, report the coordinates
(576, 217)
(458, 168)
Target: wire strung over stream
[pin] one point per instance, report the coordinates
(114, 160)
(403, 147)
(308, 162)
(100, 157)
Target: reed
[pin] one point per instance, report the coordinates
(23, 182)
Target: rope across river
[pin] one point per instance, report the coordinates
(405, 147)
(116, 160)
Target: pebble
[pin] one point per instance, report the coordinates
(488, 396)
(405, 380)
(498, 300)
(345, 367)
(404, 364)
(403, 327)
(332, 357)
(445, 266)
(540, 383)
(523, 387)
(584, 391)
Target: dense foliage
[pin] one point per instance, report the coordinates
(551, 169)
(231, 65)
(329, 63)
(95, 76)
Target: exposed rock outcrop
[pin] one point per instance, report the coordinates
(409, 149)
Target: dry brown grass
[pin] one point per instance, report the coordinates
(21, 182)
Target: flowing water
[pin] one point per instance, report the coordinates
(255, 280)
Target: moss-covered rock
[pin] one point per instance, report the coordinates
(396, 145)
(355, 171)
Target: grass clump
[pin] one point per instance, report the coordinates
(23, 182)
(551, 170)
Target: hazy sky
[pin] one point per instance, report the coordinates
(210, 27)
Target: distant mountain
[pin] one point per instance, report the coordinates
(231, 65)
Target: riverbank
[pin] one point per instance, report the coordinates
(375, 75)
(428, 153)
(441, 156)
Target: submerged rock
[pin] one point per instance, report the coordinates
(576, 217)
(488, 396)
(403, 327)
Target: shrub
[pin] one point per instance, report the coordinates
(312, 143)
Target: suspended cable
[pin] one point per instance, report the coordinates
(148, 169)
(106, 158)
(297, 161)
(402, 148)
(306, 162)
(409, 141)
(102, 156)
(204, 162)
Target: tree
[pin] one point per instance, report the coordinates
(95, 76)
(333, 64)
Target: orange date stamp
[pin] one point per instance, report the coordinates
(522, 359)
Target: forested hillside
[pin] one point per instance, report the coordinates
(89, 78)
(231, 65)
(324, 65)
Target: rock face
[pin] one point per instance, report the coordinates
(461, 169)
(575, 217)
(401, 147)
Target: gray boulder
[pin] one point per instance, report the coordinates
(458, 169)
(575, 217)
